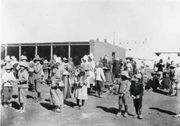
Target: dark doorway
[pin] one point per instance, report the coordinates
(44, 52)
(2, 51)
(13, 51)
(60, 50)
(78, 51)
(28, 51)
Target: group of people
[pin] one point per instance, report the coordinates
(166, 76)
(67, 80)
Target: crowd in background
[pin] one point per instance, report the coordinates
(67, 80)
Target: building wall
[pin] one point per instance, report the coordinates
(101, 49)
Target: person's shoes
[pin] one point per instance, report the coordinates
(125, 114)
(176, 116)
(118, 114)
(22, 111)
(140, 117)
(64, 106)
(135, 116)
(5, 105)
(19, 110)
(81, 107)
(100, 96)
(58, 110)
(10, 105)
(77, 106)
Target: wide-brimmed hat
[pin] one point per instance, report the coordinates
(13, 58)
(65, 59)
(45, 61)
(23, 57)
(125, 73)
(7, 58)
(8, 67)
(37, 58)
(58, 60)
(24, 64)
(105, 68)
(31, 62)
(85, 57)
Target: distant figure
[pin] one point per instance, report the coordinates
(116, 67)
(38, 73)
(168, 63)
(160, 66)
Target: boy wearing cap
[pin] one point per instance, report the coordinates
(136, 91)
(8, 79)
(23, 77)
(38, 70)
(124, 85)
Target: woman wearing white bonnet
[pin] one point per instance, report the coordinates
(23, 58)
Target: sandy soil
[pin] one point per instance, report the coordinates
(158, 110)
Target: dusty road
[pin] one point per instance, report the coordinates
(158, 110)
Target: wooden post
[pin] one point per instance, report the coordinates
(69, 51)
(5, 50)
(36, 51)
(51, 54)
(19, 51)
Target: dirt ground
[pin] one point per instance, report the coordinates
(158, 110)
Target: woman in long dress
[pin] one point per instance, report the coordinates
(56, 90)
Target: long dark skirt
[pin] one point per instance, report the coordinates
(67, 88)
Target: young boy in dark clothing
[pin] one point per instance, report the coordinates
(136, 90)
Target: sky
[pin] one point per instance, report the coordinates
(156, 23)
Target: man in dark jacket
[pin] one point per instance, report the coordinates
(136, 90)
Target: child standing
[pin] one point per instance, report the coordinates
(124, 85)
(23, 77)
(81, 90)
(7, 85)
(136, 90)
(38, 77)
(100, 78)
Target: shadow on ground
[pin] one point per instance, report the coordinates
(163, 111)
(69, 103)
(109, 110)
(161, 92)
(48, 106)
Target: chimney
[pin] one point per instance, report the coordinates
(105, 40)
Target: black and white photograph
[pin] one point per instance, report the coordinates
(90, 63)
